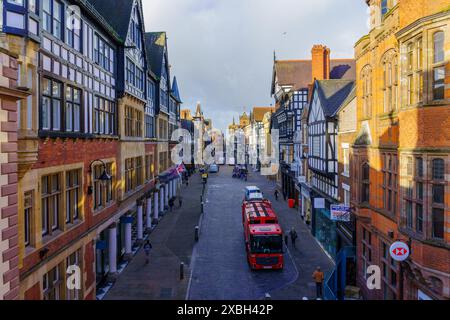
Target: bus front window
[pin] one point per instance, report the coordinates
(267, 244)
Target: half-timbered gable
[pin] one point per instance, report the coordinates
(327, 97)
(127, 20)
(78, 68)
(157, 55)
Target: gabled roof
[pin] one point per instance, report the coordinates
(298, 73)
(259, 112)
(295, 73)
(175, 90)
(100, 18)
(332, 94)
(117, 13)
(155, 42)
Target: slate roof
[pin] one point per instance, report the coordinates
(175, 90)
(298, 73)
(332, 94)
(117, 13)
(154, 44)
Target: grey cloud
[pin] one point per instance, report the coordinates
(222, 50)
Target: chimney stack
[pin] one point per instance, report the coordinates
(320, 62)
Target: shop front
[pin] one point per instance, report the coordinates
(325, 231)
(306, 203)
(323, 228)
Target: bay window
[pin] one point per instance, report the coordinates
(73, 109)
(51, 105)
(104, 116)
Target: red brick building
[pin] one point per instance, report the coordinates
(9, 246)
(401, 156)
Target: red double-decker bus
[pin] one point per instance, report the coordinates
(263, 235)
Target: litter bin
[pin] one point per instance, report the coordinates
(291, 203)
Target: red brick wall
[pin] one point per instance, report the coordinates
(59, 152)
(89, 265)
(8, 191)
(34, 293)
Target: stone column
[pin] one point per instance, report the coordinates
(148, 213)
(128, 252)
(161, 203)
(174, 187)
(156, 211)
(166, 194)
(169, 189)
(112, 252)
(140, 222)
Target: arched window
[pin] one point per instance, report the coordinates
(365, 183)
(438, 65)
(366, 81)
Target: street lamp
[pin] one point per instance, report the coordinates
(104, 177)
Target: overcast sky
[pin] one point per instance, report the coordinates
(221, 51)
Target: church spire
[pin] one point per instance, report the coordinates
(198, 113)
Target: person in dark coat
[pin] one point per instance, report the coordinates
(171, 204)
(277, 193)
(147, 248)
(294, 236)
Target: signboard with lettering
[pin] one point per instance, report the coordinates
(340, 213)
(319, 203)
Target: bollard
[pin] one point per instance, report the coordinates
(181, 271)
(196, 233)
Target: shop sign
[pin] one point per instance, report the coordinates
(319, 203)
(340, 213)
(399, 251)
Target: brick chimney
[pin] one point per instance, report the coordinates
(320, 62)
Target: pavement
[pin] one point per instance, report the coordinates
(173, 242)
(216, 266)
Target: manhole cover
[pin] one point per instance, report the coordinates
(166, 293)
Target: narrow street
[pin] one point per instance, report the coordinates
(216, 266)
(220, 269)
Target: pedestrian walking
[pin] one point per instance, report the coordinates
(294, 236)
(276, 194)
(286, 239)
(147, 248)
(171, 204)
(284, 195)
(318, 277)
(308, 217)
(180, 201)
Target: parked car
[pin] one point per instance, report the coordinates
(253, 193)
(214, 168)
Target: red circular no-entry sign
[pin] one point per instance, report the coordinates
(399, 251)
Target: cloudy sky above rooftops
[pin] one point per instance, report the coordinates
(221, 51)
